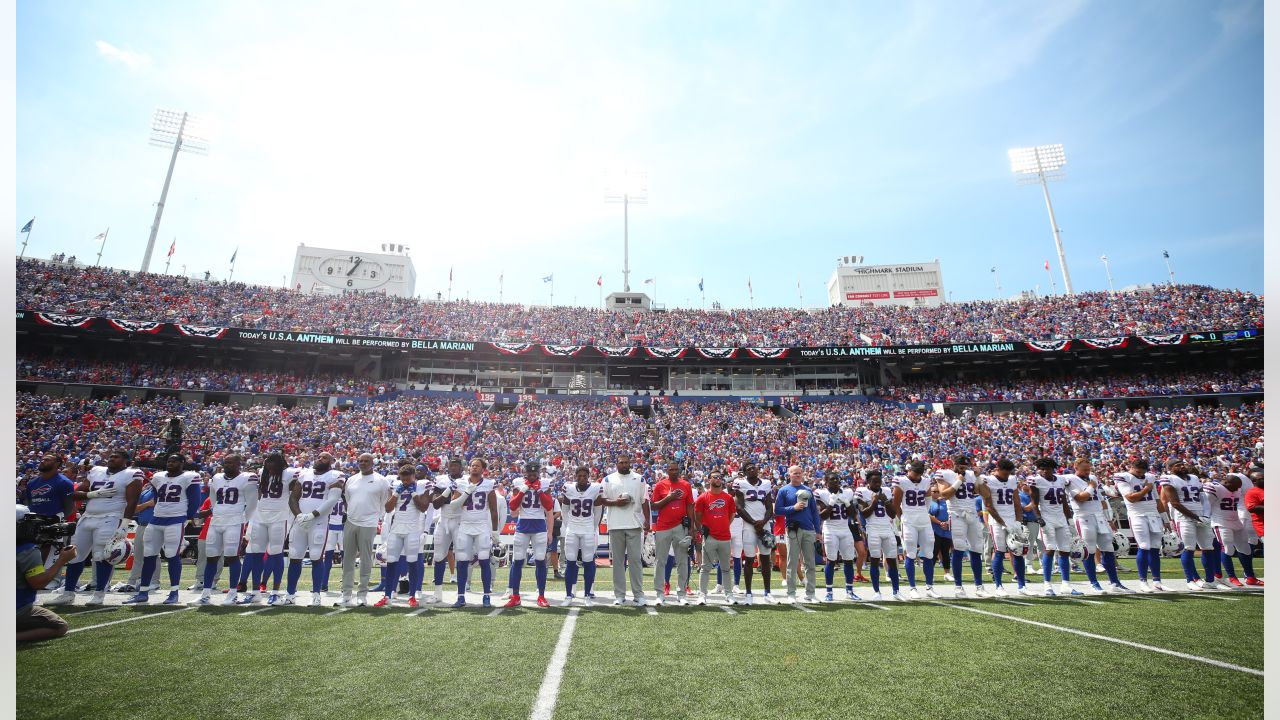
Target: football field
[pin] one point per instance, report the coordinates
(1169, 656)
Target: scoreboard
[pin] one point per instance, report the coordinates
(907, 284)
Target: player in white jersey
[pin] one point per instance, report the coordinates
(1224, 505)
(836, 505)
(1180, 491)
(1090, 517)
(1049, 500)
(112, 494)
(754, 498)
(269, 525)
(531, 505)
(581, 532)
(1244, 538)
(448, 516)
(409, 501)
(233, 494)
(313, 494)
(959, 487)
(477, 528)
(333, 543)
(177, 495)
(999, 492)
(911, 495)
(876, 504)
(1139, 490)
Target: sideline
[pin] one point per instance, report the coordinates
(550, 690)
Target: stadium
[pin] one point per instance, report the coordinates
(343, 492)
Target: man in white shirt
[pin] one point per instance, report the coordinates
(366, 494)
(627, 500)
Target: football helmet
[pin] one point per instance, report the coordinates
(1016, 539)
(1170, 544)
(1077, 546)
(768, 540)
(117, 552)
(1120, 543)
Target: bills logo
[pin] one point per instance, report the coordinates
(133, 326)
(665, 353)
(1048, 345)
(67, 321)
(767, 353)
(208, 332)
(717, 353)
(1106, 343)
(512, 348)
(608, 351)
(1170, 339)
(562, 350)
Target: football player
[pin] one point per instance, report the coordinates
(959, 488)
(1048, 500)
(1138, 488)
(478, 529)
(1246, 538)
(1091, 523)
(754, 498)
(835, 507)
(1224, 498)
(532, 507)
(269, 524)
(111, 495)
(409, 500)
(581, 532)
(177, 498)
(447, 488)
(876, 504)
(911, 493)
(315, 491)
(1180, 491)
(999, 492)
(234, 494)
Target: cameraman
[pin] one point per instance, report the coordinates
(36, 622)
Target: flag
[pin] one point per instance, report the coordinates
(700, 285)
(749, 285)
(450, 274)
(547, 279)
(1046, 264)
(233, 256)
(993, 269)
(1166, 252)
(27, 228)
(173, 246)
(600, 281)
(100, 236)
(647, 281)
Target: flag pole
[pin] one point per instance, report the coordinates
(553, 290)
(27, 237)
(169, 258)
(101, 247)
(500, 274)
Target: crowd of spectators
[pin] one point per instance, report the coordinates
(1080, 387)
(149, 297)
(138, 374)
(822, 438)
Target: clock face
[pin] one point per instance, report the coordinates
(351, 272)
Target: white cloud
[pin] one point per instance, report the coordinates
(130, 59)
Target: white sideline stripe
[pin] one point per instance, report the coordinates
(805, 607)
(336, 612)
(1210, 596)
(650, 609)
(1148, 597)
(259, 610)
(1017, 602)
(1087, 602)
(90, 612)
(419, 611)
(139, 617)
(550, 690)
(1118, 641)
(497, 612)
(728, 609)
(878, 607)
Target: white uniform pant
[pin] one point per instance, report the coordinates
(93, 532)
(224, 540)
(1231, 539)
(966, 532)
(1056, 536)
(1000, 536)
(749, 542)
(268, 537)
(838, 543)
(307, 538)
(580, 546)
(334, 541)
(882, 543)
(523, 543)
(1148, 531)
(406, 544)
(917, 540)
(446, 535)
(162, 538)
(471, 544)
(1194, 535)
(1095, 532)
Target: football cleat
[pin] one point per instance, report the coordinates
(248, 599)
(638, 602)
(1119, 588)
(1195, 586)
(948, 577)
(830, 597)
(1000, 591)
(702, 600)
(769, 598)
(230, 599)
(273, 599)
(732, 599)
(897, 596)
(748, 599)
(347, 601)
(98, 598)
(1024, 590)
(1143, 587)
(876, 597)
(461, 602)
(542, 602)
(980, 591)
(383, 601)
(851, 595)
(960, 593)
(930, 592)
(204, 600)
(1210, 585)
(289, 599)
(619, 601)
(1074, 592)
(315, 600)
(568, 600)
(1157, 585)
(1253, 582)
(1048, 592)
(172, 599)
(195, 587)
(513, 601)
(913, 593)
(737, 590)
(140, 598)
(413, 601)
(658, 601)
(1235, 582)
(485, 601)
(1098, 589)
(718, 589)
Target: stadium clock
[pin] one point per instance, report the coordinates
(351, 272)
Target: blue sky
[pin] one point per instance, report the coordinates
(776, 137)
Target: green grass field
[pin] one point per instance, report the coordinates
(915, 660)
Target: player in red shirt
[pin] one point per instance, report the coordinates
(1253, 503)
(714, 512)
(673, 499)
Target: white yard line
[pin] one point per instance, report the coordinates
(496, 612)
(419, 611)
(1086, 602)
(339, 611)
(805, 608)
(651, 609)
(1118, 641)
(873, 605)
(545, 705)
(728, 610)
(1017, 602)
(259, 610)
(139, 617)
(94, 610)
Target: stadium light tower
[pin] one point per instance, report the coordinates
(177, 129)
(1040, 164)
(626, 188)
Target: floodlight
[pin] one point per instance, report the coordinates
(627, 187)
(181, 131)
(1039, 165)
